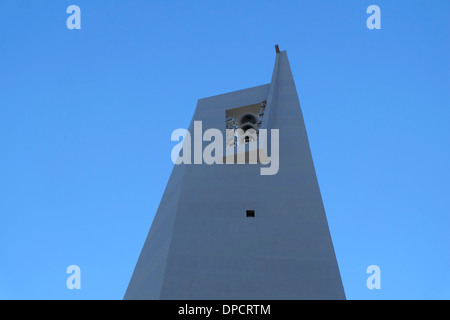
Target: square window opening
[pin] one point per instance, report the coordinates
(250, 213)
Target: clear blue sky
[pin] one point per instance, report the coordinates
(86, 117)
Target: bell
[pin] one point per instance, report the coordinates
(247, 134)
(248, 118)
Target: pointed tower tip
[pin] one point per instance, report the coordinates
(277, 49)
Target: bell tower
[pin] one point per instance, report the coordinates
(226, 231)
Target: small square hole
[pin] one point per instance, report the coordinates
(250, 213)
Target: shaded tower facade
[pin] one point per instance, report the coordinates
(226, 231)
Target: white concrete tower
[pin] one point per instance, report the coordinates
(225, 231)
